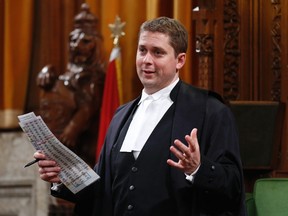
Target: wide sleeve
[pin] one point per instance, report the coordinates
(219, 181)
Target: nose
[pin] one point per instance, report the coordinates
(147, 58)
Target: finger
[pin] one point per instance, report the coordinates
(50, 177)
(54, 180)
(171, 162)
(181, 146)
(183, 159)
(175, 164)
(179, 152)
(43, 170)
(39, 155)
(192, 140)
(47, 163)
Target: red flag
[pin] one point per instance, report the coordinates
(112, 96)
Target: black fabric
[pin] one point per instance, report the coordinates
(217, 189)
(130, 195)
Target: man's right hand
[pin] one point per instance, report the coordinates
(48, 169)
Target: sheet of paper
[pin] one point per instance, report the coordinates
(75, 173)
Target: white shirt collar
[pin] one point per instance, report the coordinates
(165, 92)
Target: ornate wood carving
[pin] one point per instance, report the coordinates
(231, 50)
(204, 23)
(276, 50)
(70, 103)
(261, 72)
(204, 49)
(217, 53)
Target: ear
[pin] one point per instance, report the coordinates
(181, 58)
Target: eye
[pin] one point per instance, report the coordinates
(158, 52)
(142, 50)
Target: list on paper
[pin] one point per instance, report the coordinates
(75, 174)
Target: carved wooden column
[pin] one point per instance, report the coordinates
(259, 77)
(216, 25)
(231, 59)
(279, 71)
(204, 21)
(276, 50)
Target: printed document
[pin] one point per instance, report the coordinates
(75, 174)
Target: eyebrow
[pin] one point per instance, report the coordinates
(154, 47)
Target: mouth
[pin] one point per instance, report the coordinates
(148, 71)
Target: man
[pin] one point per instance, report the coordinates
(184, 161)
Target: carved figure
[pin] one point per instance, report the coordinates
(70, 103)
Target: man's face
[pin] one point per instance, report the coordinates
(156, 64)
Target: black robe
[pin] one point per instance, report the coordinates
(218, 185)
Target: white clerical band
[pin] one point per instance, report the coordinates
(149, 112)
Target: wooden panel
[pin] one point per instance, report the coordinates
(217, 53)
(240, 50)
(248, 59)
(284, 83)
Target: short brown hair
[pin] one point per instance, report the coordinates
(174, 29)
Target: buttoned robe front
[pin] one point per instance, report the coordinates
(155, 188)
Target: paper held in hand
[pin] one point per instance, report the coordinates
(75, 174)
